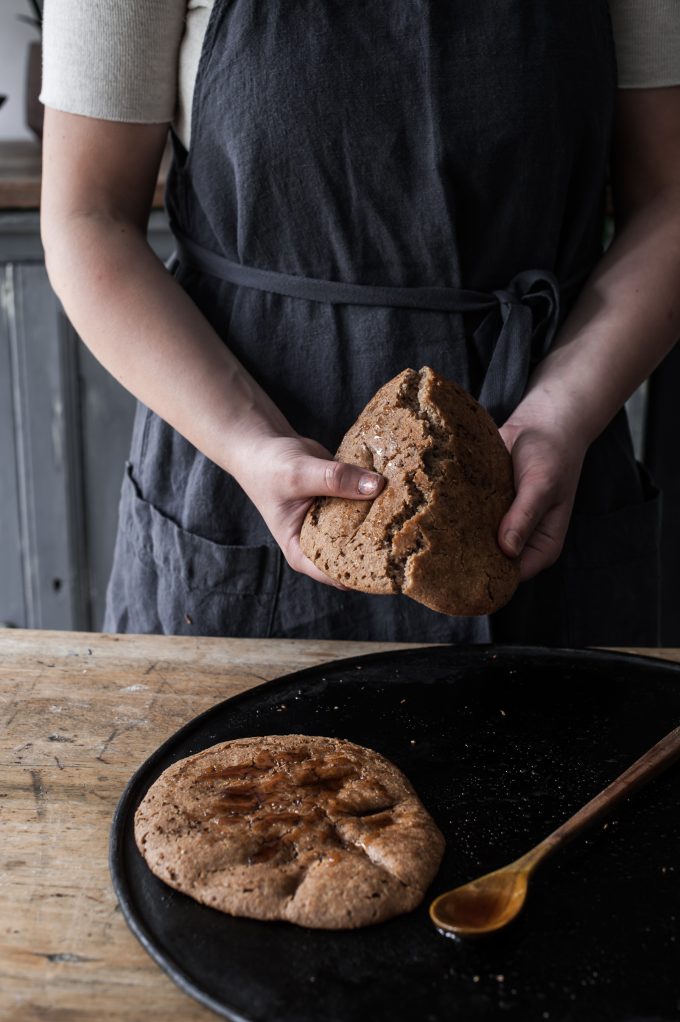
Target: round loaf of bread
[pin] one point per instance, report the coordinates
(431, 532)
(317, 831)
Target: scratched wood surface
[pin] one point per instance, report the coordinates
(78, 714)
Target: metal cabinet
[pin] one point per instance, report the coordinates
(662, 457)
(65, 427)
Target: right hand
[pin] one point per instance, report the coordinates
(547, 459)
(283, 474)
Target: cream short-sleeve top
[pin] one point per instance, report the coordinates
(136, 60)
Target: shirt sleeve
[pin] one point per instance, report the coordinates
(118, 59)
(647, 37)
(113, 59)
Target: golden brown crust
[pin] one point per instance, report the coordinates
(431, 532)
(317, 831)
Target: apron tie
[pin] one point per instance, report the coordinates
(518, 329)
(514, 335)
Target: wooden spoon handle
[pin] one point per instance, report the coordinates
(651, 763)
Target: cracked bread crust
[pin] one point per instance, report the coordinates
(317, 831)
(431, 532)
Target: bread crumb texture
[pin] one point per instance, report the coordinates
(431, 532)
(316, 831)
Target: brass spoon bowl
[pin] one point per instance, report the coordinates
(493, 900)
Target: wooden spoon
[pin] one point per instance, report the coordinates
(493, 900)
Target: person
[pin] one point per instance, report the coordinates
(346, 178)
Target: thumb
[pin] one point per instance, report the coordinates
(321, 478)
(520, 521)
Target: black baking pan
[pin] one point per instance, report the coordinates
(502, 744)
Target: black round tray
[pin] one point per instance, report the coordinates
(501, 744)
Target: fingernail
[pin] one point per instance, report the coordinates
(514, 541)
(368, 484)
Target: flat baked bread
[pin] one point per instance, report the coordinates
(316, 831)
(431, 532)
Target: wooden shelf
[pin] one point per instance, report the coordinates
(20, 175)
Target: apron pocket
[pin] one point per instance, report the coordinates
(612, 573)
(171, 581)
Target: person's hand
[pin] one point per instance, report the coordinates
(283, 474)
(547, 456)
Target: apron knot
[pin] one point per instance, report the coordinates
(529, 313)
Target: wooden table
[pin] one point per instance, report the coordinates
(79, 713)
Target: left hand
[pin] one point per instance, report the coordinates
(547, 455)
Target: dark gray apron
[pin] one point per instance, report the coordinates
(371, 185)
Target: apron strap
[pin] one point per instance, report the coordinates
(518, 329)
(438, 299)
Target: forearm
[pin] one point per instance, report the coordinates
(625, 321)
(142, 326)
